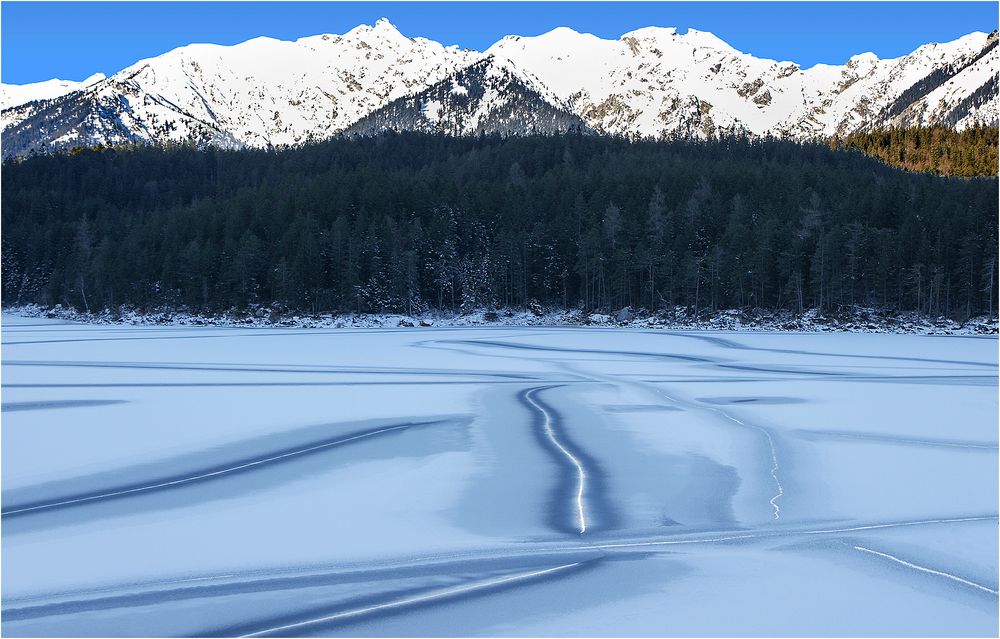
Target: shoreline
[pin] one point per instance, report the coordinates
(854, 320)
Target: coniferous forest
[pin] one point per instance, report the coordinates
(937, 149)
(408, 222)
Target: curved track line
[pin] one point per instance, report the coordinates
(930, 571)
(209, 474)
(428, 596)
(580, 472)
(695, 405)
(304, 369)
(780, 490)
(854, 436)
(731, 344)
(769, 534)
(899, 524)
(125, 595)
(267, 384)
(774, 458)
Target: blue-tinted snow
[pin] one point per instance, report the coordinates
(217, 481)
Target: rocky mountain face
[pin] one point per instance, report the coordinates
(487, 97)
(956, 94)
(653, 82)
(259, 93)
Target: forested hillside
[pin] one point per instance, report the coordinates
(937, 149)
(408, 222)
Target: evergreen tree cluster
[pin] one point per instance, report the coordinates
(938, 149)
(411, 222)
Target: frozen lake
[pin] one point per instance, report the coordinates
(163, 481)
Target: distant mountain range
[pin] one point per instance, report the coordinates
(653, 82)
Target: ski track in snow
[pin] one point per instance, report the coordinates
(207, 475)
(924, 569)
(660, 393)
(417, 599)
(131, 595)
(779, 488)
(305, 576)
(775, 466)
(774, 458)
(534, 370)
(581, 474)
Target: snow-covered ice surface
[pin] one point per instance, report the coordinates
(529, 481)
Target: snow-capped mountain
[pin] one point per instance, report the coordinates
(259, 93)
(19, 101)
(17, 94)
(655, 82)
(958, 94)
(487, 97)
(652, 82)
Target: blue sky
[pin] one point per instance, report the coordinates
(42, 40)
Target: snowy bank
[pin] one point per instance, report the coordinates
(851, 320)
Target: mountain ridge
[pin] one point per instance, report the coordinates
(649, 83)
(486, 98)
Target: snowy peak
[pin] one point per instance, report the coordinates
(651, 33)
(381, 31)
(668, 37)
(961, 93)
(650, 82)
(486, 98)
(863, 58)
(12, 95)
(259, 93)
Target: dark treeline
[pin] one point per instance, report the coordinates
(407, 223)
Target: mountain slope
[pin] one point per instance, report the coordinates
(652, 82)
(960, 95)
(484, 98)
(259, 93)
(12, 95)
(20, 101)
(655, 82)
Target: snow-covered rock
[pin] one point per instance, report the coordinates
(654, 82)
(651, 82)
(12, 95)
(487, 97)
(259, 93)
(851, 320)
